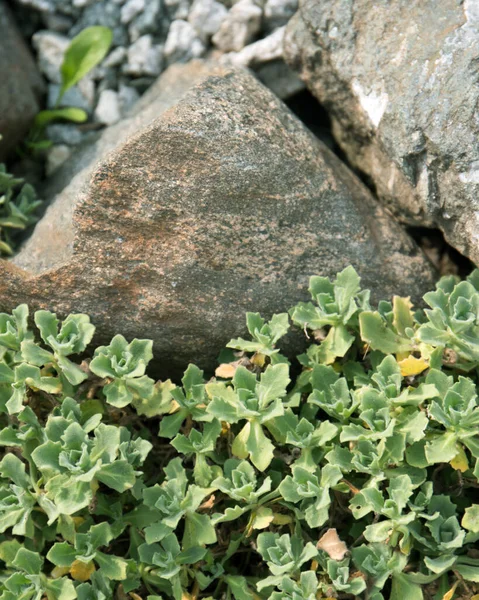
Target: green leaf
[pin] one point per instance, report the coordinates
(376, 333)
(470, 520)
(86, 50)
(45, 117)
(112, 567)
(119, 475)
(403, 588)
(28, 561)
(62, 554)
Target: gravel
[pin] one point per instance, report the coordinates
(148, 36)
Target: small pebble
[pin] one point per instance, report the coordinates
(206, 17)
(182, 43)
(108, 108)
(51, 48)
(144, 58)
(127, 97)
(56, 156)
(131, 9)
(239, 28)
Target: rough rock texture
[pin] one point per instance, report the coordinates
(400, 80)
(199, 209)
(21, 84)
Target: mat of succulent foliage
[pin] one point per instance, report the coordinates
(355, 479)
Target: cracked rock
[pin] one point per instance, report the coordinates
(400, 82)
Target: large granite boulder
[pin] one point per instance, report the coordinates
(21, 84)
(400, 80)
(198, 209)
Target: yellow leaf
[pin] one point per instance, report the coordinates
(460, 462)
(448, 595)
(258, 359)
(332, 545)
(226, 370)
(280, 519)
(81, 571)
(411, 366)
(78, 521)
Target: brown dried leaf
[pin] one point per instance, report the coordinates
(332, 545)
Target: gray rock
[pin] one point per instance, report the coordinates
(265, 50)
(206, 17)
(57, 22)
(50, 47)
(107, 110)
(82, 3)
(278, 12)
(105, 13)
(200, 207)
(56, 156)
(127, 97)
(280, 79)
(144, 58)
(177, 9)
(21, 84)
(400, 81)
(182, 43)
(131, 9)
(80, 96)
(151, 20)
(240, 26)
(61, 133)
(115, 58)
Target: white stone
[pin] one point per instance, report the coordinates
(265, 50)
(131, 9)
(182, 43)
(56, 156)
(108, 108)
(144, 58)
(51, 47)
(239, 28)
(115, 58)
(206, 16)
(374, 104)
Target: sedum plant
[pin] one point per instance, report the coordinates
(349, 473)
(17, 209)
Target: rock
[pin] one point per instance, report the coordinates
(206, 17)
(115, 58)
(127, 97)
(265, 50)
(149, 21)
(21, 84)
(182, 43)
(131, 9)
(278, 12)
(240, 26)
(280, 79)
(58, 23)
(177, 9)
(144, 58)
(79, 96)
(56, 156)
(107, 110)
(105, 13)
(202, 206)
(61, 133)
(51, 48)
(400, 82)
